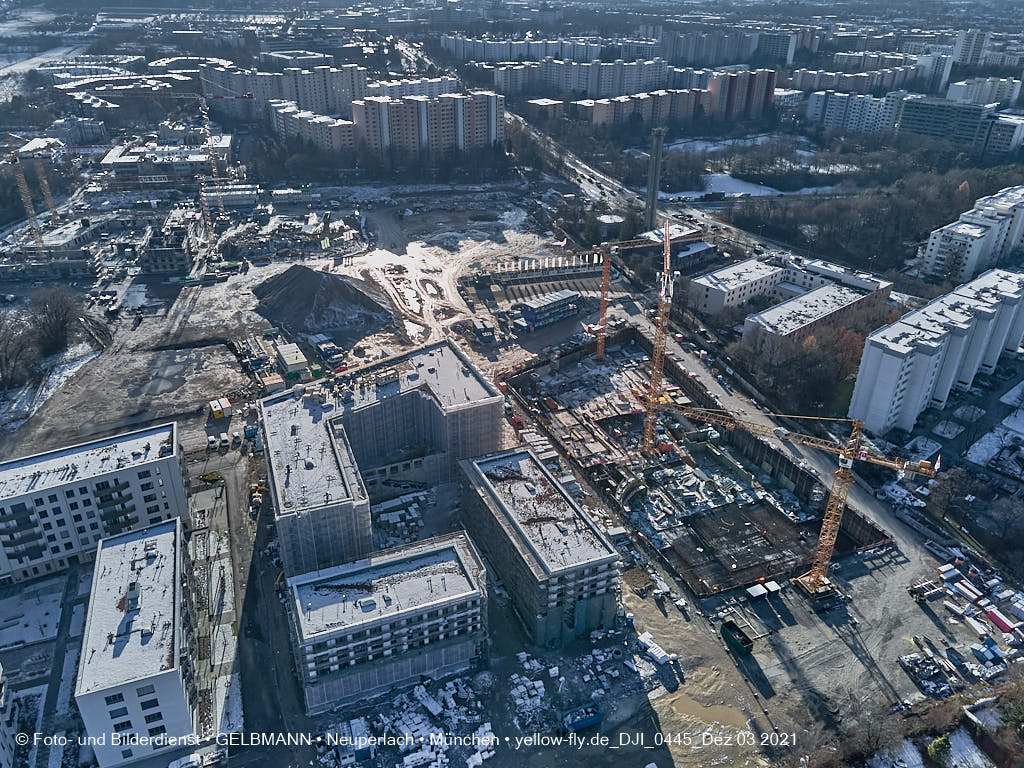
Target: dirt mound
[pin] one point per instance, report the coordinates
(308, 301)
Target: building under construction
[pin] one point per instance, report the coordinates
(334, 447)
(724, 508)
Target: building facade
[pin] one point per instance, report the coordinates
(981, 238)
(392, 619)
(915, 363)
(56, 506)
(8, 723)
(136, 686)
(560, 570)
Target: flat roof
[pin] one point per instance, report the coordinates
(550, 528)
(794, 314)
(311, 462)
(735, 275)
(547, 299)
(386, 584)
(132, 622)
(43, 471)
(924, 328)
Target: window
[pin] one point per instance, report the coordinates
(157, 731)
(86, 502)
(51, 538)
(124, 725)
(93, 527)
(126, 753)
(77, 518)
(148, 498)
(144, 474)
(70, 494)
(69, 545)
(145, 690)
(119, 712)
(82, 491)
(73, 506)
(61, 523)
(152, 510)
(156, 717)
(47, 526)
(43, 514)
(149, 704)
(52, 498)
(146, 486)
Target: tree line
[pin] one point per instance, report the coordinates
(48, 326)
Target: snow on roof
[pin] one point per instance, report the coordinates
(925, 328)
(736, 275)
(311, 461)
(133, 617)
(789, 316)
(386, 584)
(85, 461)
(675, 231)
(549, 528)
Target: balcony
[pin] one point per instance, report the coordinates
(114, 500)
(111, 515)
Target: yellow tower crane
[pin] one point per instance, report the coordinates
(658, 347)
(26, 199)
(815, 582)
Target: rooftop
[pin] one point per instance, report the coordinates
(789, 316)
(736, 275)
(386, 584)
(550, 529)
(311, 461)
(547, 299)
(132, 623)
(42, 471)
(925, 327)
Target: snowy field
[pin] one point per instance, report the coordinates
(904, 756)
(17, 406)
(964, 753)
(726, 184)
(983, 451)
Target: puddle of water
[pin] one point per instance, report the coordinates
(683, 705)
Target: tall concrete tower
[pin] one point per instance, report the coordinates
(653, 179)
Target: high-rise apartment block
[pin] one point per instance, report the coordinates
(985, 90)
(560, 570)
(917, 361)
(969, 46)
(136, 688)
(412, 124)
(979, 239)
(856, 112)
(56, 506)
(390, 619)
(741, 95)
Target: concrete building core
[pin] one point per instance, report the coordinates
(333, 447)
(394, 618)
(559, 568)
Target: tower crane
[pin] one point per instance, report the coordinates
(658, 348)
(26, 200)
(815, 582)
(607, 250)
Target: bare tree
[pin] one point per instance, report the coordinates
(17, 352)
(54, 316)
(1007, 513)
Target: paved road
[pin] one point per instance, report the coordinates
(60, 650)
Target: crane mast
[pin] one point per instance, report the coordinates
(658, 350)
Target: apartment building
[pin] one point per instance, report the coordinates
(970, 45)
(327, 133)
(417, 123)
(985, 90)
(166, 164)
(329, 449)
(596, 79)
(56, 506)
(979, 239)
(245, 93)
(741, 95)
(954, 121)
(431, 87)
(856, 112)
(915, 363)
(1002, 135)
(804, 315)
(484, 49)
(654, 108)
(558, 567)
(363, 628)
(136, 687)
(733, 285)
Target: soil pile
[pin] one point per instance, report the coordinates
(304, 300)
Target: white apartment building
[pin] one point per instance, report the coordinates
(8, 723)
(979, 239)
(431, 87)
(56, 506)
(969, 46)
(733, 285)
(560, 570)
(914, 363)
(135, 687)
(856, 112)
(388, 620)
(985, 90)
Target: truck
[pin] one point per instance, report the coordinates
(737, 640)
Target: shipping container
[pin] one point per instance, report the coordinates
(736, 638)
